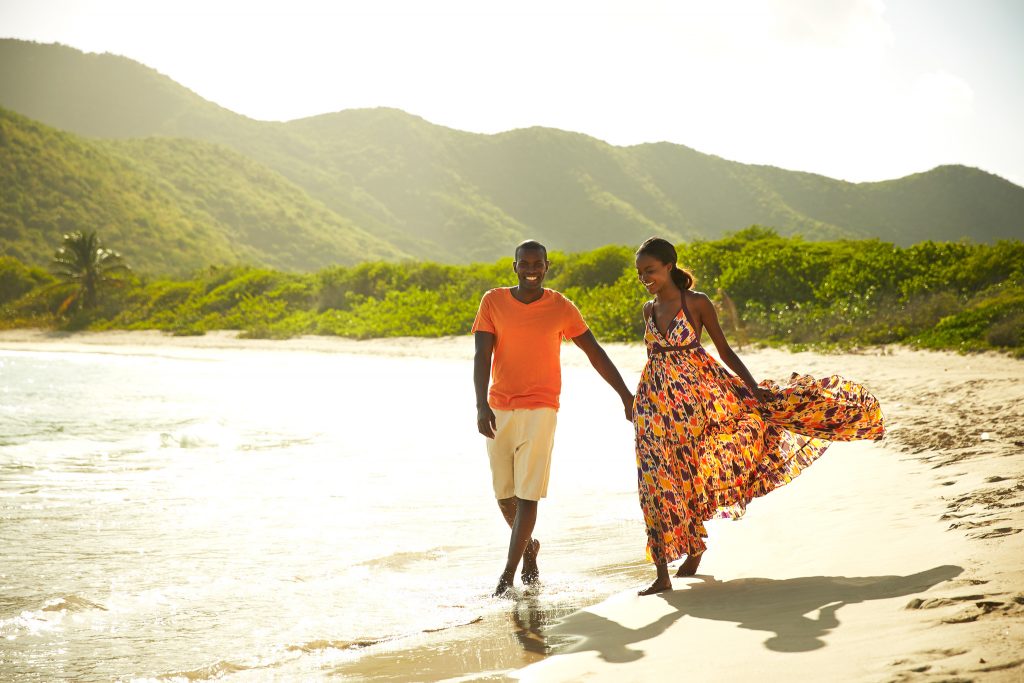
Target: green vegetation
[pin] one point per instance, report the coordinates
(172, 205)
(784, 290)
(383, 184)
(88, 267)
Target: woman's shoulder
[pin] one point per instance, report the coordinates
(699, 301)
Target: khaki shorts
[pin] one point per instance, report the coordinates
(520, 452)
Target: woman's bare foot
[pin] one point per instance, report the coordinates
(659, 586)
(530, 573)
(689, 567)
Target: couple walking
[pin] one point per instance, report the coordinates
(707, 441)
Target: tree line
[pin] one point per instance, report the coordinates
(770, 289)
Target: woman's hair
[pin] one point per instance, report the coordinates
(663, 250)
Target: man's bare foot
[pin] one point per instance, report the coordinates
(504, 584)
(689, 567)
(659, 586)
(530, 573)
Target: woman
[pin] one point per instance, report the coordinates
(707, 441)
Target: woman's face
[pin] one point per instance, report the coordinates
(653, 274)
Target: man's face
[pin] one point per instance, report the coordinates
(531, 266)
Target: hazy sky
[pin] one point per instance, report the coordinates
(853, 89)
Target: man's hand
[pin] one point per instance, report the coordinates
(485, 422)
(627, 403)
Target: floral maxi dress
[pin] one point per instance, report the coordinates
(705, 447)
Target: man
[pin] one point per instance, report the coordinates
(522, 328)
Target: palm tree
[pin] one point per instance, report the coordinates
(82, 261)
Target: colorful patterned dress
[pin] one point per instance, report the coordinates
(705, 447)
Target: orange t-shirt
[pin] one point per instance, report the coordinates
(526, 371)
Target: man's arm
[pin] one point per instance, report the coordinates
(481, 378)
(604, 366)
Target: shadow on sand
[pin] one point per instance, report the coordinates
(779, 607)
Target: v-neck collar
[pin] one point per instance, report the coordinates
(668, 328)
(544, 293)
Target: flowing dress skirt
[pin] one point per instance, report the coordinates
(705, 447)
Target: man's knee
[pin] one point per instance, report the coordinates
(511, 506)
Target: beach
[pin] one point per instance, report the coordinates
(893, 561)
(910, 567)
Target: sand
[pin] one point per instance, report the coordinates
(900, 561)
(896, 561)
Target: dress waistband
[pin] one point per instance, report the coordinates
(658, 349)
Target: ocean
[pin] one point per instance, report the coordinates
(188, 514)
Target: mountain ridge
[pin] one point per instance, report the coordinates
(454, 196)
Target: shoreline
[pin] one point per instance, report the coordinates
(140, 342)
(143, 341)
(955, 425)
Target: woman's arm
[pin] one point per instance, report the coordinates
(708, 319)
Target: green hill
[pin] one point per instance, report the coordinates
(452, 196)
(103, 95)
(946, 203)
(169, 205)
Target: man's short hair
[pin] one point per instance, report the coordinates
(531, 244)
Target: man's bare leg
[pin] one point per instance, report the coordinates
(530, 573)
(522, 528)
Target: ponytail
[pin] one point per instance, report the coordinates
(682, 278)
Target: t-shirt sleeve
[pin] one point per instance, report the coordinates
(484, 321)
(573, 325)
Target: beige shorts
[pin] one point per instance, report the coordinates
(520, 452)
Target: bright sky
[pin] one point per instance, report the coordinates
(853, 89)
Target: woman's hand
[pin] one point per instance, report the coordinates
(627, 404)
(762, 395)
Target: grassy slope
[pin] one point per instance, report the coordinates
(452, 196)
(169, 205)
(56, 183)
